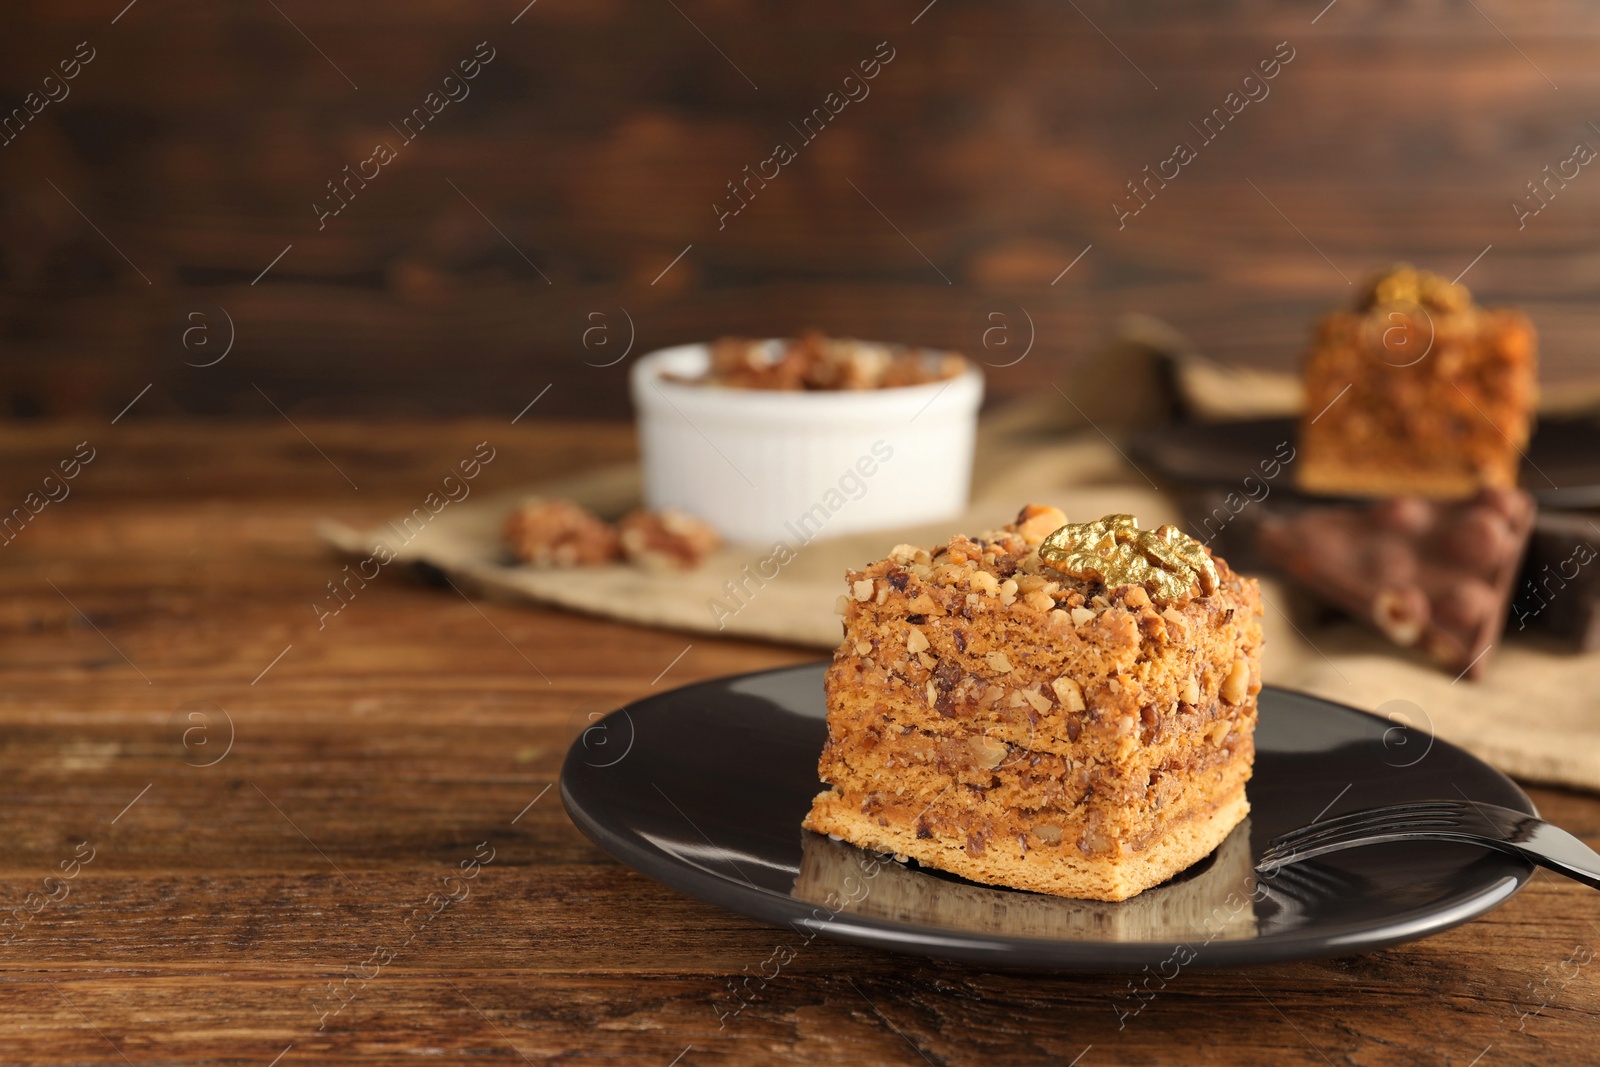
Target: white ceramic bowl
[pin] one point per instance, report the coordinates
(766, 466)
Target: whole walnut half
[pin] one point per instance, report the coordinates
(560, 533)
(666, 539)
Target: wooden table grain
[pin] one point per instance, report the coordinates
(252, 821)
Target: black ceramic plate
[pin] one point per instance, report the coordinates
(1561, 468)
(703, 788)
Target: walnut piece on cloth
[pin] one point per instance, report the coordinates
(667, 539)
(559, 533)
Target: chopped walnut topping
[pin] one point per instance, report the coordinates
(1081, 616)
(1177, 625)
(988, 752)
(984, 582)
(1219, 731)
(1069, 693)
(1031, 583)
(1040, 702)
(1237, 685)
(916, 640)
(904, 553)
(1008, 592)
(862, 590)
(963, 550)
(999, 663)
(1191, 691)
(1038, 600)
(1036, 522)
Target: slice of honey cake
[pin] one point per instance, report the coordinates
(1064, 708)
(1417, 390)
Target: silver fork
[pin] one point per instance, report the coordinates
(1488, 825)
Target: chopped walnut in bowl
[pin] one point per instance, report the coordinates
(818, 363)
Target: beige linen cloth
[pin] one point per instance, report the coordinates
(1535, 714)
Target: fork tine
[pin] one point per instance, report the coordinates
(1421, 807)
(1377, 821)
(1442, 807)
(1400, 814)
(1373, 821)
(1301, 845)
(1273, 860)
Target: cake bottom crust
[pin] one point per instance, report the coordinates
(1382, 477)
(1065, 873)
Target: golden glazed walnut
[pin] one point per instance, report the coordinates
(560, 533)
(992, 716)
(666, 540)
(816, 362)
(1114, 551)
(1417, 390)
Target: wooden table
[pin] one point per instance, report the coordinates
(218, 892)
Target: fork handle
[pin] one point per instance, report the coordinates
(1528, 837)
(1534, 840)
(1553, 848)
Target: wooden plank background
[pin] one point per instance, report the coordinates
(591, 149)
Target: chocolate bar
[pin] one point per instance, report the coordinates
(1559, 591)
(1431, 575)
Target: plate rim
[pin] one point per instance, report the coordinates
(1016, 952)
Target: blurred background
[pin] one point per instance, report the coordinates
(160, 207)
